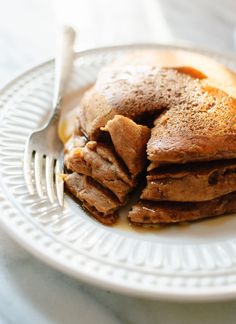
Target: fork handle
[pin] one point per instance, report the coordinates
(63, 64)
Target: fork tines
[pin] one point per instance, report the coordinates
(44, 175)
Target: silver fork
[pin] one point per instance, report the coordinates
(43, 152)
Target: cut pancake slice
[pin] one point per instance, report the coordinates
(103, 168)
(165, 212)
(129, 140)
(100, 162)
(191, 182)
(94, 197)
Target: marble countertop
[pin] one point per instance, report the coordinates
(30, 291)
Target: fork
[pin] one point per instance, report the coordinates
(43, 155)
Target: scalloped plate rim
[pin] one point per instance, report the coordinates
(218, 293)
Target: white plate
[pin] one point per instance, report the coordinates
(191, 262)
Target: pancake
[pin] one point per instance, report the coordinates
(200, 181)
(106, 170)
(163, 212)
(171, 110)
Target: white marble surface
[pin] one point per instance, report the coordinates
(32, 292)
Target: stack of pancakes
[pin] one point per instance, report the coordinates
(164, 116)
